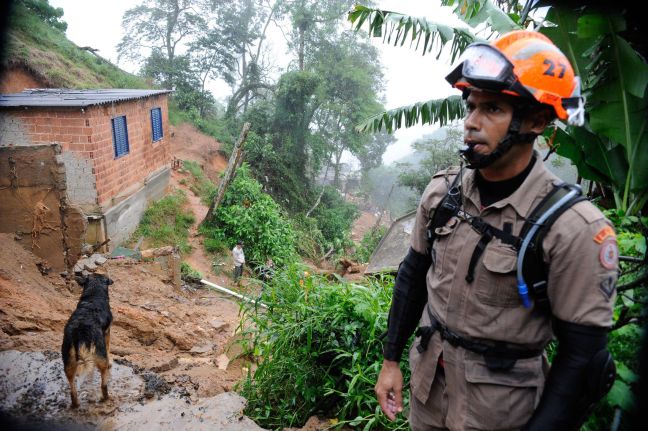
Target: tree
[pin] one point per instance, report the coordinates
(159, 26)
(311, 23)
(349, 94)
(212, 58)
(370, 155)
(439, 151)
(46, 12)
(243, 26)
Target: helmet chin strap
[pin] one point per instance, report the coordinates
(475, 160)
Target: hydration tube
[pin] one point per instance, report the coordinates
(523, 291)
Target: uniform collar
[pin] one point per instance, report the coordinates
(538, 181)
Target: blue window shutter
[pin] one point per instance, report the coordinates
(156, 124)
(120, 136)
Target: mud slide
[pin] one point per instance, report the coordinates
(165, 342)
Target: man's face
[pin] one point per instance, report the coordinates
(488, 116)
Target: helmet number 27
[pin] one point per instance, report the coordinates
(552, 66)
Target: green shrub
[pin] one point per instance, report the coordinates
(166, 223)
(368, 244)
(319, 349)
(625, 338)
(334, 218)
(248, 214)
(188, 273)
(201, 186)
(214, 245)
(311, 241)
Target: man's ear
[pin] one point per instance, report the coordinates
(537, 121)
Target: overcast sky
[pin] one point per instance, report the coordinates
(409, 76)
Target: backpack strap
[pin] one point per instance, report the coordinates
(447, 208)
(535, 270)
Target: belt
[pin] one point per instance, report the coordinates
(498, 355)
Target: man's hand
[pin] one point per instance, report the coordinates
(389, 389)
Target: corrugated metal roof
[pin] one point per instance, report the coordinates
(63, 97)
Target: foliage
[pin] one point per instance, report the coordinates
(311, 241)
(201, 186)
(41, 47)
(188, 273)
(248, 214)
(46, 12)
(166, 223)
(613, 147)
(392, 25)
(439, 152)
(319, 349)
(368, 244)
(334, 218)
(159, 25)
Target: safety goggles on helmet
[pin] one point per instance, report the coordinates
(485, 67)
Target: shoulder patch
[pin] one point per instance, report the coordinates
(605, 232)
(588, 211)
(452, 170)
(609, 254)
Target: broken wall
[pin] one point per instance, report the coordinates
(34, 206)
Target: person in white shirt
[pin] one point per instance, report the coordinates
(239, 261)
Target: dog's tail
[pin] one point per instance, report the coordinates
(85, 356)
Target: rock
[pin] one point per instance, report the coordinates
(180, 339)
(203, 348)
(222, 362)
(218, 325)
(165, 365)
(89, 265)
(78, 267)
(98, 259)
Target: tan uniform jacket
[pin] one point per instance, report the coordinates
(581, 253)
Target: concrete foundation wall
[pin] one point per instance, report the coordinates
(123, 218)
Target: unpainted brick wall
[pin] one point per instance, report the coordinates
(88, 134)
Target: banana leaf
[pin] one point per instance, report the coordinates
(613, 148)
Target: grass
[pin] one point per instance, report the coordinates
(167, 223)
(201, 186)
(47, 53)
(319, 351)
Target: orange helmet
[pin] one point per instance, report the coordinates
(526, 64)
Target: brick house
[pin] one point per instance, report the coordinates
(109, 156)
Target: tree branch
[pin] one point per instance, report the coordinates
(633, 284)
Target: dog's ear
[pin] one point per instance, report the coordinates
(82, 280)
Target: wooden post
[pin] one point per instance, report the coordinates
(236, 158)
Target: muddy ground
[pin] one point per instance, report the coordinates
(176, 360)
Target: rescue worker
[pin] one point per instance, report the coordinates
(478, 359)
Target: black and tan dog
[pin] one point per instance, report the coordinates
(86, 339)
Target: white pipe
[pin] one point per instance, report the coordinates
(230, 292)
